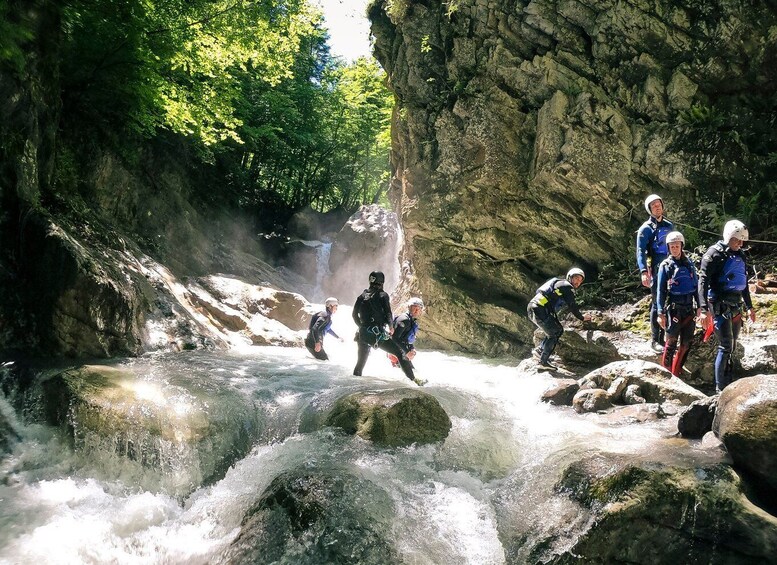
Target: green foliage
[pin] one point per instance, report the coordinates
(396, 10)
(700, 116)
(14, 36)
(173, 63)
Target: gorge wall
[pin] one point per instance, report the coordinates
(527, 134)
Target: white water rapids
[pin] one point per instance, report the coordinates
(465, 501)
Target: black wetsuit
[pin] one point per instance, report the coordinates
(372, 313)
(543, 308)
(320, 324)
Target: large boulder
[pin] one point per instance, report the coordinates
(396, 417)
(311, 515)
(746, 422)
(179, 430)
(368, 242)
(656, 384)
(650, 513)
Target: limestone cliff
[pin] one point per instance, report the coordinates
(526, 135)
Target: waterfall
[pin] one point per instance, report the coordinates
(322, 269)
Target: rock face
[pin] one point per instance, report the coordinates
(528, 133)
(317, 516)
(397, 417)
(746, 422)
(635, 504)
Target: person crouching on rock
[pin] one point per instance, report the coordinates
(723, 291)
(372, 313)
(676, 297)
(405, 330)
(543, 311)
(320, 325)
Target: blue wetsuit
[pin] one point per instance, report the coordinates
(651, 251)
(676, 292)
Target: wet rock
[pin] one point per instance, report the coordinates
(696, 420)
(711, 442)
(746, 422)
(396, 417)
(632, 395)
(651, 513)
(586, 349)
(634, 414)
(591, 400)
(288, 308)
(190, 435)
(310, 516)
(562, 393)
(656, 384)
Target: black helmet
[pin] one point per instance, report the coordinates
(377, 277)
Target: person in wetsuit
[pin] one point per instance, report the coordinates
(372, 313)
(724, 296)
(651, 251)
(543, 311)
(320, 325)
(676, 297)
(405, 330)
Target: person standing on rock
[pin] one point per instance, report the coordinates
(676, 297)
(320, 325)
(651, 251)
(543, 311)
(372, 313)
(405, 330)
(724, 296)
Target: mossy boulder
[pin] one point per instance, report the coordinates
(394, 418)
(746, 422)
(311, 516)
(187, 435)
(650, 513)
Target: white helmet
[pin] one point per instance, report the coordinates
(575, 271)
(650, 199)
(332, 301)
(735, 228)
(675, 236)
(415, 301)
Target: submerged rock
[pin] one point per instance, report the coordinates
(309, 517)
(188, 434)
(746, 422)
(650, 513)
(396, 417)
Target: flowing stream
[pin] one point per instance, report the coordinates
(478, 498)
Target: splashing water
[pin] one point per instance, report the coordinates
(450, 501)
